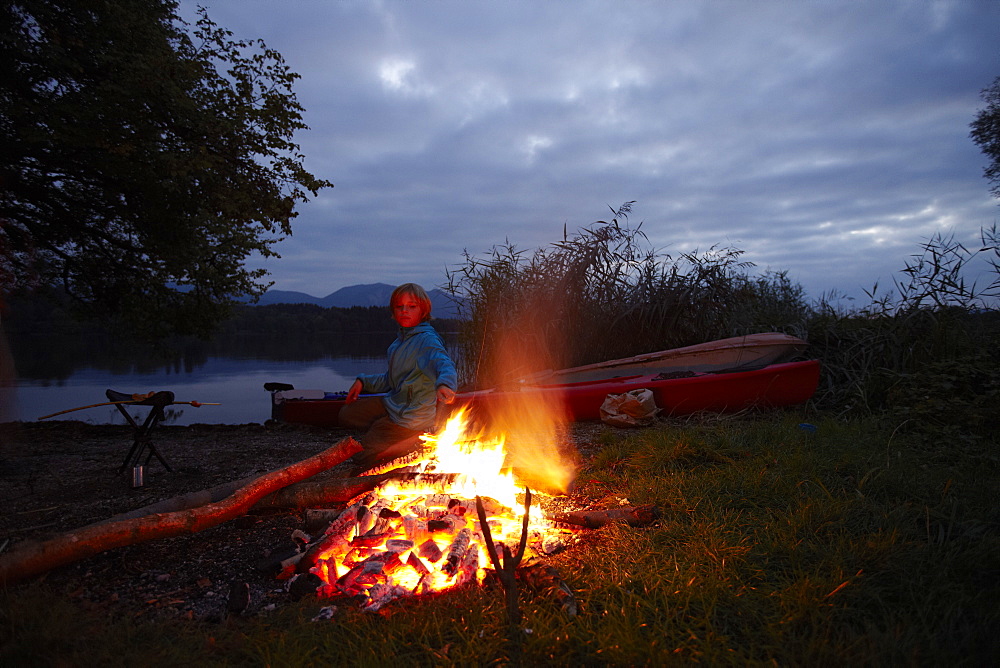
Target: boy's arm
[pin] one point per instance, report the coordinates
(445, 395)
(373, 383)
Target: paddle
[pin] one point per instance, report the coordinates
(196, 404)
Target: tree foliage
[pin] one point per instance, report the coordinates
(986, 133)
(145, 160)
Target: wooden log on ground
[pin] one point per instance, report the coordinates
(319, 493)
(202, 497)
(315, 491)
(636, 516)
(32, 557)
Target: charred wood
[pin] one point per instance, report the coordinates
(335, 535)
(417, 564)
(281, 562)
(370, 539)
(239, 598)
(430, 551)
(469, 567)
(379, 595)
(304, 584)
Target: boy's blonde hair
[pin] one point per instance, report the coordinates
(418, 293)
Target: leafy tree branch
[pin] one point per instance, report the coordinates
(146, 160)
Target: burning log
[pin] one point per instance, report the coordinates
(368, 572)
(335, 535)
(370, 539)
(32, 558)
(636, 516)
(415, 529)
(430, 551)
(417, 564)
(447, 523)
(380, 595)
(398, 545)
(406, 480)
(470, 565)
(456, 553)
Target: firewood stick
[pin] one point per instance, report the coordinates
(524, 529)
(134, 402)
(505, 571)
(491, 548)
(32, 558)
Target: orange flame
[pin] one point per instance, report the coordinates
(422, 534)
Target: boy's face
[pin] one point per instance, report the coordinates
(407, 311)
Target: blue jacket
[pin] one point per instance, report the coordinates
(418, 365)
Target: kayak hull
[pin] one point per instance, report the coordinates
(773, 386)
(732, 354)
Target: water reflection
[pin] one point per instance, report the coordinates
(51, 377)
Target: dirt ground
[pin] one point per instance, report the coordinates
(62, 475)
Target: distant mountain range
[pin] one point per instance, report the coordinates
(371, 294)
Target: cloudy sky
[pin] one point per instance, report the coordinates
(828, 139)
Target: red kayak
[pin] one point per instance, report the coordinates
(681, 393)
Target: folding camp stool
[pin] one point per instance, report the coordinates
(157, 401)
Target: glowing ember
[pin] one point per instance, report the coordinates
(423, 534)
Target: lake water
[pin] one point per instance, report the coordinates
(236, 384)
(231, 374)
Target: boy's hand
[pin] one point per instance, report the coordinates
(445, 394)
(352, 394)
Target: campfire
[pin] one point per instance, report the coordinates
(432, 527)
(452, 514)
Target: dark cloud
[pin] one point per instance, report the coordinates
(825, 139)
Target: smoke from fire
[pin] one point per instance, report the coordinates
(534, 423)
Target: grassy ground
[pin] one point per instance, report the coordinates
(852, 543)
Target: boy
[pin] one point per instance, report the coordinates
(420, 376)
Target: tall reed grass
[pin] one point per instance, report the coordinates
(604, 293)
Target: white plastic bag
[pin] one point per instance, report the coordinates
(635, 408)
